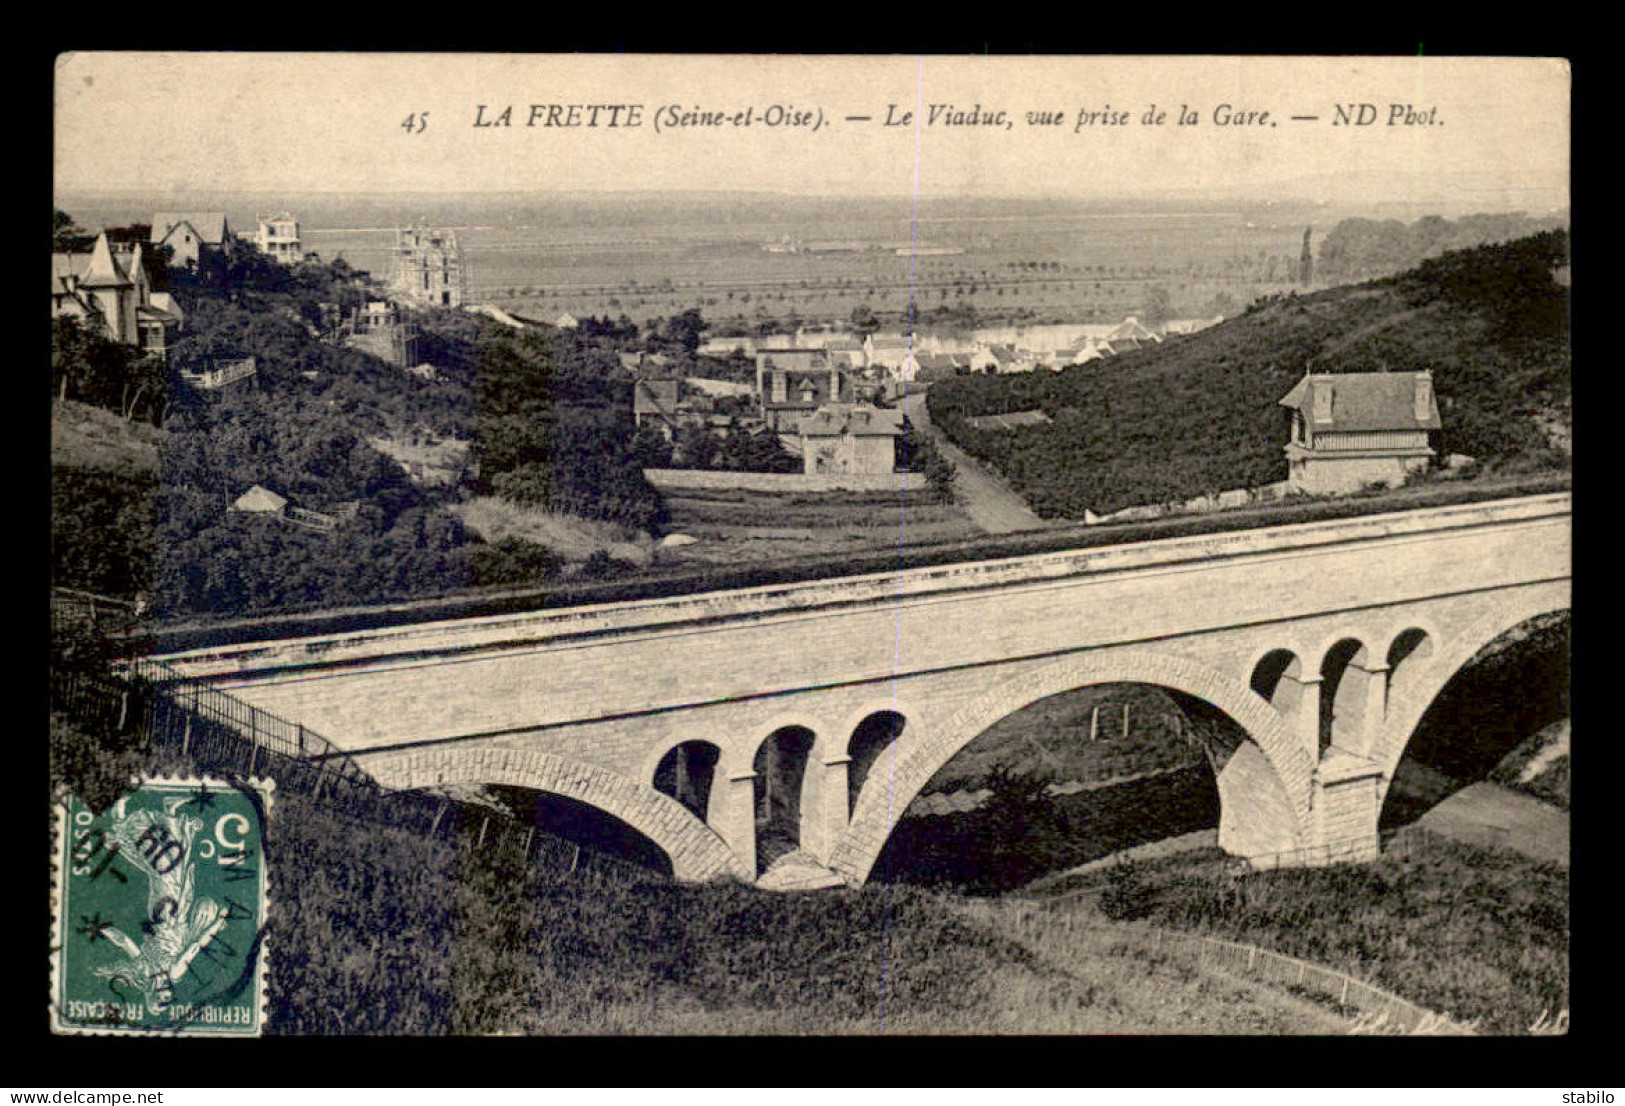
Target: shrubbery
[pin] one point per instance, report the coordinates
(1200, 415)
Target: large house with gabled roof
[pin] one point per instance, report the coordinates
(107, 290)
(189, 234)
(1355, 430)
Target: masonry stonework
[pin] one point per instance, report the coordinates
(587, 701)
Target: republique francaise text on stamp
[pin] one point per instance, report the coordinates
(160, 908)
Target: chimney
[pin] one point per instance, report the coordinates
(1424, 396)
(1322, 402)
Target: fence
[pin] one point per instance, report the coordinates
(215, 732)
(78, 610)
(1347, 850)
(693, 479)
(1065, 934)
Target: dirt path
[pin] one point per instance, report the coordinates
(987, 499)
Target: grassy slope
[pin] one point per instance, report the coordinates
(1200, 414)
(88, 437)
(104, 483)
(383, 933)
(1479, 934)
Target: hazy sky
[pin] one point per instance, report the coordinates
(313, 122)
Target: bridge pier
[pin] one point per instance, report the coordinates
(1305, 720)
(830, 820)
(1375, 708)
(1347, 803)
(734, 818)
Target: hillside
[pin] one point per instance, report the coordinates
(539, 419)
(1198, 415)
(104, 486)
(87, 437)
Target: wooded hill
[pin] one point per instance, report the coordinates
(1198, 415)
(547, 416)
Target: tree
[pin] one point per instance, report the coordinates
(67, 236)
(683, 331)
(1157, 307)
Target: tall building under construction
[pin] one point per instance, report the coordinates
(428, 266)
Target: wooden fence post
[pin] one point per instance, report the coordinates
(186, 735)
(1094, 723)
(485, 824)
(1125, 721)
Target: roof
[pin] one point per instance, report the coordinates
(209, 225)
(1131, 327)
(850, 418)
(1190, 326)
(654, 397)
(66, 269)
(103, 271)
(259, 498)
(1367, 401)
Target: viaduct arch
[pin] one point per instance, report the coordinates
(1260, 776)
(1407, 709)
(697, 853)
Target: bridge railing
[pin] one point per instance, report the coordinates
(1347, 850)
(201, 728)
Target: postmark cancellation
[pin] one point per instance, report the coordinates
(159, 911)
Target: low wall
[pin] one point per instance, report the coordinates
(787, 481)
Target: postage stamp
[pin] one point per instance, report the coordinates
(158, 925)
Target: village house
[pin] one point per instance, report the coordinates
(847, 438)
(791, 383)
(260, 500)
(846, 353)
(278, 238)
(108, 291)
(1074, 355)
(654, 403)
(377, 327)
(727, 347)
(1172, 328)
(427, 265)
(933, 367)
(888, 350)
(190, 234)
(1354, 430)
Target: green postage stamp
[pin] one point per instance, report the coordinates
(159, 913)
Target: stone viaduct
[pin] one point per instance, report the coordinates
(1302, 656)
